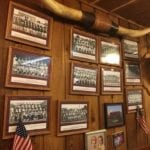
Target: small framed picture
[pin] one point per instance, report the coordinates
(34, 111)
(132, 73)
(83, 46)
(131, 49)
(73, 117)
(110, 53)
(118, 138)
(84, 79)
(28, 70)
(114, 115)
(28, 26)
(96, 140)
(111, 80)
(134, 98)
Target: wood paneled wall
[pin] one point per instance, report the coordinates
(134, 136)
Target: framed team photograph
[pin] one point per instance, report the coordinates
(34, 112)
(84, 46)
(111, 80)
(84, 79)
(130, 49)
(110, 52)
(28, 70)
(96, 140)
(73, 117)
(118, 138)
(132, 73)
(28, 26)
(134, 98)
(114, 114)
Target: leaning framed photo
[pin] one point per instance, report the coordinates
(28, 70)
(114, 114)
(84, 79)
(28, 26)
(130, 49)
(73, 117)
(96, 140)
(118, 138)
(110, 52)
(83, 46)
(134, 98)
(132, 73)
(34, 111)
(111, 80)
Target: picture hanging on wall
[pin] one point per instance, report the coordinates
(34, 111)
(111, 80)
(131, 49)
(110, 52)
(134, 98)
(73, 117)
(96, 140)
(132, 73)
(118, 138)
(28, 70)
(84, 79)
(83, 46)
(114, 114)
(28, 26)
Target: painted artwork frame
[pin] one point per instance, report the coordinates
(70, 121)
(28, 26)
(134, 98)
(111, 80)
(84, 79)
(28, 70)
(96, 139)
(114, 115)
(118, 138)
(83, 46)
(110, 52)
(24, 107)
(132, 73)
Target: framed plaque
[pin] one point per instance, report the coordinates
(28, 70)
(28, 26)
(83, 46)
(111, 80)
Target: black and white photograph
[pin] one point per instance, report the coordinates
(33, 111)
(110, 53)
(111, 80)
(132, 73)
(84, 79)
(72, 116)
(131, 49)
(83, 46)
(28, 26)
(28, 70)
(118, 138)
(134, 98)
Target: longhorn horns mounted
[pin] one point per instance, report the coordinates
(95, 21)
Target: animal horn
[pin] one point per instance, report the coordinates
(98, 21)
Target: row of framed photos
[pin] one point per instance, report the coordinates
(73, 117)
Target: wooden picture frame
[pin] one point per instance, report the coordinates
(28, 26)
(134, 98)
(130, 49)
(96, 140)
(83, 46)
(132, 73)
(118, 138)
(110, 52)
(24, 107)
(84, 79)
(28, 70)
(114, 115)
(111, 80)
(73, 117)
